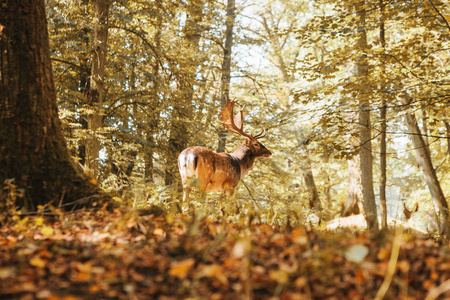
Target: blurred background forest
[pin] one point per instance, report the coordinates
(311, 72)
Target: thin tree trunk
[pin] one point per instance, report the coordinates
(33, 151)
(447, 127)
(226, 67)
(84, 86)
(383, 154)
(383, 164)
(426, 165)
(365, 124)
(425, 127)
(95, 93)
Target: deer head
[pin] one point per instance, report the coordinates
(235, 123)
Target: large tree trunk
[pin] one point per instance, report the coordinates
(370, 207)
(426, 165)
(95, 93)
(32, 148)
(226, 67)
(354, 193)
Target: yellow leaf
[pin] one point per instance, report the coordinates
(181, 268)
(384, 253)
(39, 221)
(46, 230)
(169, 219)
(93, 181)
(37, 262)
(279, 276)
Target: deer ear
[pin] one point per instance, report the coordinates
(248, 142)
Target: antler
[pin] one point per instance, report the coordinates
(235, 122)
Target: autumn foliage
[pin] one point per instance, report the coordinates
(122, 255)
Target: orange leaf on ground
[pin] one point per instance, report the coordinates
(37, 262)
(215, 271)
(299, 236)
(180, 269)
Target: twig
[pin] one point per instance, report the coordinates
(435, 292)
(391, 265)
(251, 194)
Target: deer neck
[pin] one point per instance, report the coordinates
(245, 158)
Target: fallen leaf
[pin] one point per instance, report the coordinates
(299, 236)
(240, 249)
(159, 232)
(7, 272)
(39, 221)
(37, 262)
(215, 271)
(300, 282)
(46, 230)
(356, 253)
(279, 276)
(180, 269)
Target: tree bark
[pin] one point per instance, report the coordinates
(226, 67)
(447, 127)
(426, 165)
(354, 193)
(95, 93)
(308, 176)
(383, 128)
(383, 164)
(32, 147)
(370, 207)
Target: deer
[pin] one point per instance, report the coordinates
(221, 172)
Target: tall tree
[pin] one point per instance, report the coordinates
(426, 165)
(370, 207)
(95, 93)
(33, 150)
(383, 127)
(226, 67)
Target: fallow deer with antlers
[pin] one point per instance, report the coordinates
(221, 172)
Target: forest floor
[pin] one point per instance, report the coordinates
(104, 255)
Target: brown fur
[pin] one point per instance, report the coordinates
(219, 172)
